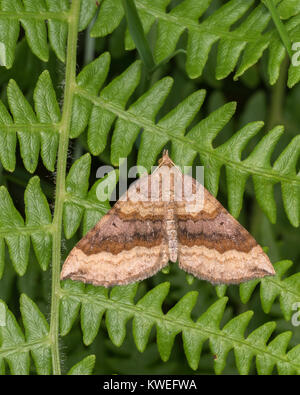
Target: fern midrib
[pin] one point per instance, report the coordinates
(87, 204)
(36, 127)
(45, 15)
(73, 19)
(26, 230)
(193, 25)
(24, 347)
(149, 125)
(134, 309)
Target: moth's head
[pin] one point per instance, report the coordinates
(165, 160)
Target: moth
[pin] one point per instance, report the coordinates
(166, 216)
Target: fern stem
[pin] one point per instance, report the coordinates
(60, 179)
(137, 33)
(277, 96)
(279, 26)
(89, 44)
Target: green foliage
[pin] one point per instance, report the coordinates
(17, 233)
(15, 12)
(287, 289)
(248, 40)
(288, 8)
(37, 131)
(63, 115)
(16, 347)
(100, 111)
(147, 312)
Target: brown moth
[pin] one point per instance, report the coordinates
(151, 225)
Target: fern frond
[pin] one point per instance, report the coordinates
(287, 289)
(16, 348)
(247, 40)
(17, 233)
(36, 130)
(98, 112)
(33, 14)
(42, 20)
(119, 307)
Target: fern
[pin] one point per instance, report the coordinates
(120, 307)
(249, 38)
(99, 113)
(16, 348)
(111, 114)
(288, 290)
(15, 12)
(35, 130)
(17, 234)
(41, 20)
(288, 8)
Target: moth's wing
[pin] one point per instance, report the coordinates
(125, 246)
(214, 246)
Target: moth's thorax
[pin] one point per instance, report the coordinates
(170, 222)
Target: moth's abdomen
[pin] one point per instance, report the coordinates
(171, 233)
